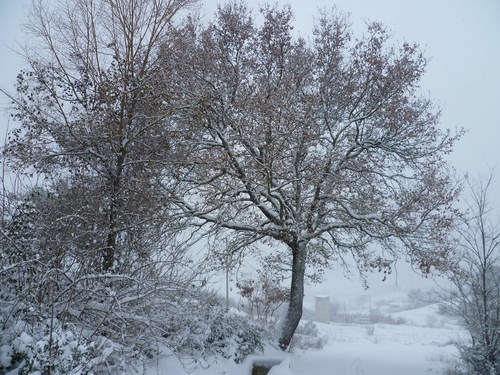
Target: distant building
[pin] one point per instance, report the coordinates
(322, 305)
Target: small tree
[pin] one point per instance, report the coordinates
(264, 295)
(325, 147)
(475, 300)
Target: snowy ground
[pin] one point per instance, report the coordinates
(421, 346)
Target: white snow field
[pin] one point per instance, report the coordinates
(421, 346)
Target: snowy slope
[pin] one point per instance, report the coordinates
(418, 347)
(390, 349)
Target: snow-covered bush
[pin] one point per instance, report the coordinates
(60, 311)
(70, 320)
(307, 336)
(234, 337)
(455, 368)
(50, 345)
(309, 328)
(478, 361)
(212, 333)
(307, 342)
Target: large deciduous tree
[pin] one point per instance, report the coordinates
(325, 145)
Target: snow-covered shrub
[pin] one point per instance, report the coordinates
(307, 336)
(193, 329)
(234, 336)
(456, 368)
(309, 328)
(73, 321)
(50, 345)
(479, 362)
(213, 333)
(307, 342)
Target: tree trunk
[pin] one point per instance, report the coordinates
(294, 312)
(109, 253)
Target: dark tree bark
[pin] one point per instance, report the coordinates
(294, 312)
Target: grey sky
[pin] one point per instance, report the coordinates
(462, 37)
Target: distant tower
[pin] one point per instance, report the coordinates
(323, 309)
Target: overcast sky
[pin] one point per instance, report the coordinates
(462, 38)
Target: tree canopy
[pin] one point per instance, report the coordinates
(326, 146)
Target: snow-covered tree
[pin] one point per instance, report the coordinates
(92, 117)
(325, 146)
(475, 299)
